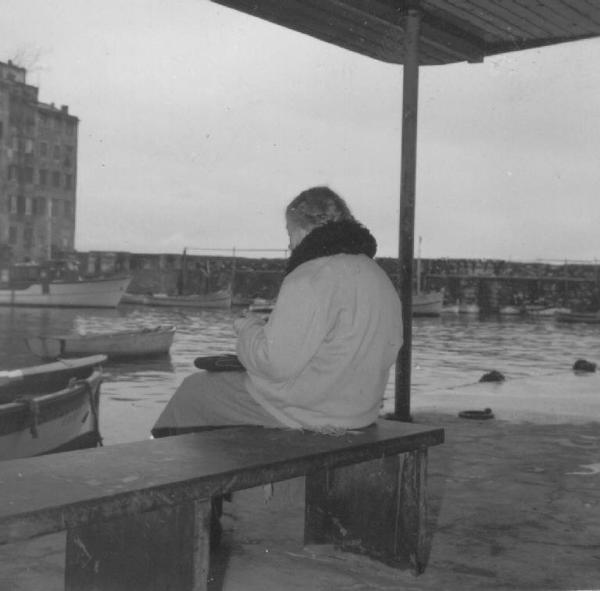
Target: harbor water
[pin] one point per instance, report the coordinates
(450, 354)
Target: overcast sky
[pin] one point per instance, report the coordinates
(199, 123)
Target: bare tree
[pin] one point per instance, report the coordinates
(28, 57)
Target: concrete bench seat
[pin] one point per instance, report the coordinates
(137, 515)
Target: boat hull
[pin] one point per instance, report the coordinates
(93, 293)
(471, 309)
(588, 317)
(220, 300)
(124, 344)
(48, 423)
(48, 377)
(427, 304)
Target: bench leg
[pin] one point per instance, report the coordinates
(163, 549)
(376, 508)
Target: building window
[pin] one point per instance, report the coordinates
(43, 149)
(70, 127)
(29, 146)
(56, 178)
(56, 152)
(12, 235)
(28, 206)
(56, 213)
(27, 237)
(12, 204)
(20, 204)
(13, 171)
(43, 173)
(68, 181)
(68, 209)
(68, 161)
(28, 174)
(43, 119)
(39, 206)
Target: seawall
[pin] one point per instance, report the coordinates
(489, 283)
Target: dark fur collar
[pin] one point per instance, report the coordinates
(347, 237)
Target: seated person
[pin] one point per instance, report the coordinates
(321, 361)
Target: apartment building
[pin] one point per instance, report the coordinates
(38, 172)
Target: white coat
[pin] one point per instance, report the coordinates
(323, 358)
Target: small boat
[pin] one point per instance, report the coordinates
(450, 308)
(142, 342)
(217, 299)
(570, 316)
(543, 311)
(35, 285)
(468, 308)
(511, 310)
(136, 299)
(261, 306)
(427, 303)
(50, 408)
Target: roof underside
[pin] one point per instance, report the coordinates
(451, 30)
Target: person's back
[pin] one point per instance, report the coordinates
(323, 359)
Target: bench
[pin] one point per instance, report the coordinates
(137, 515)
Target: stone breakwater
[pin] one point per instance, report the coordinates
(489, 283)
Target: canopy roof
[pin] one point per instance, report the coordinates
(450, 30)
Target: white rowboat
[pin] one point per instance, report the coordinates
(143, 342)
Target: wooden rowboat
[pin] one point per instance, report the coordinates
(143, 342)
(217, 299)
(50, 408)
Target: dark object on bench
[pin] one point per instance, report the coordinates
(138, 515)
(484, 414)
(219, 363)
(492, 376)
(584, 365)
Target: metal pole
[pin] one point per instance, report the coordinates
(410, 98)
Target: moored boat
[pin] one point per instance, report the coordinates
(50, 408)
(427, 303)
(34, 285)
(142, 342)
(544, 311)
(136, 299)
(261, 306)
(571, 316)
(511, 310)
(217, 299)
(468, 308)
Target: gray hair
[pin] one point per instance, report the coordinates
(317, 206)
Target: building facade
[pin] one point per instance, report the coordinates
(38, 172)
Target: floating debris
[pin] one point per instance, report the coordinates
(492, 376)
(484, 414)
(584, 365)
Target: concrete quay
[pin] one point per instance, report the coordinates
(512, 506)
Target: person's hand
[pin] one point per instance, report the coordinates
(247, 319)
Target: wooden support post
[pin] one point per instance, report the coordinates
(413, 508)
(410, 100)
(163, 549)
(377, 508)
